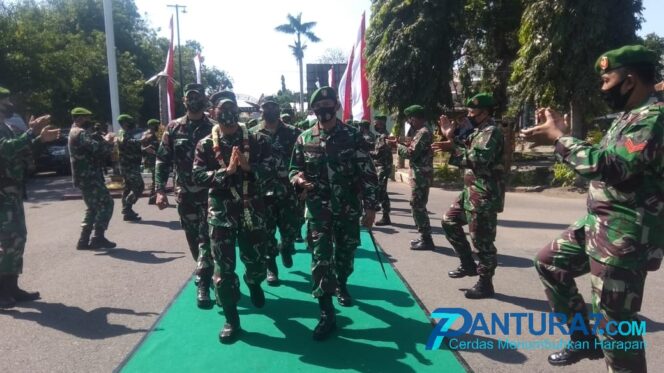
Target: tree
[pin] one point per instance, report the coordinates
(490, 30)
(332, 56)
(656, 43)
(410, 53)
(560, 43)
(298, 28)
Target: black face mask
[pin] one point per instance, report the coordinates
(196, 106)
(227, 118)
(271, 116)
(616, 100)
(325, 114)
(8, 110)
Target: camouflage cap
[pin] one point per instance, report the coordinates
(322, 93)
(4, 92)
(194, 87)
(380, 117)
(269, 100)
(80, 111)
(153, 122)
(125, 118)
(225, 94)
(414, 111)
(627, 55)
(364, 122)
(227, 100)
(481, 101)
(284, 115)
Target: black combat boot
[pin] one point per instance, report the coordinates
(328, 320)
(425, 243)
(385, 220)
(569, 355)
(99, 241)
(343, 297)
(11, 286)
(287, 256)
(231, 329)
(6, 299)
(467, 268)
(272, 272)
(203, 299)
(482, 289)
(131, 215)
(256, 294)
(84, 240)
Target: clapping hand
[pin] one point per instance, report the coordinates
(551, 126)
(447, 127)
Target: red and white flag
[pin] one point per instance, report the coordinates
(354, 86)
(168, 70)
(198, 59)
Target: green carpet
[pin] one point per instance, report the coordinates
(384, 331)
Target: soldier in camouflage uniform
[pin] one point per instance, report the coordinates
(177, 151)
(16, 153)
(622, 236)
(129, 145)
(279, 194)
(150, 144)
(88, 151)
(232, 163)
(327, 162)
(480, 154)
(420, 155)
(382, 157)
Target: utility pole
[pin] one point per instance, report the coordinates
(177, 26)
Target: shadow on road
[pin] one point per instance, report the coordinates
(76, 321)
(172, 225)
(147, 257)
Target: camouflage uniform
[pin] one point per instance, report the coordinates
(384, 162)
(481, 157)
(278, 193)
(333, 161)
(237, 211)
(421, 176)
(88, 152)
(622, 236)
(129, 145)
(15, 155)
(177, 151)
(150, 140)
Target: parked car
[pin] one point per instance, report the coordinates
(54, 156)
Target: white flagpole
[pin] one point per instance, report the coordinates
(112, 65)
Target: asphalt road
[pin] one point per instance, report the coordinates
(96, 306)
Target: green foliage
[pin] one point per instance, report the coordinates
(563, 175)
(446, 174)
(490, 30)
(410, 52)
(594, 136)
(560, 42)
(53, 57)
(656, 43)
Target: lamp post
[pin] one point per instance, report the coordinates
(177, 27)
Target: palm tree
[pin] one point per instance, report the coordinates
(295, 26)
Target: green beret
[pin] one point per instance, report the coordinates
(4, 92)
(269, 100)
(380, 117)
(194, 87)
(628, 55)
(80, 111)
(365, 123)
(322, 93)
(125, 118)
(153, 122)
(481, 101)
(218, 96)
(414, 111)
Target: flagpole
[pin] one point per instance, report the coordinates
(112, 64)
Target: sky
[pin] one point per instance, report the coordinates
(239, 36)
